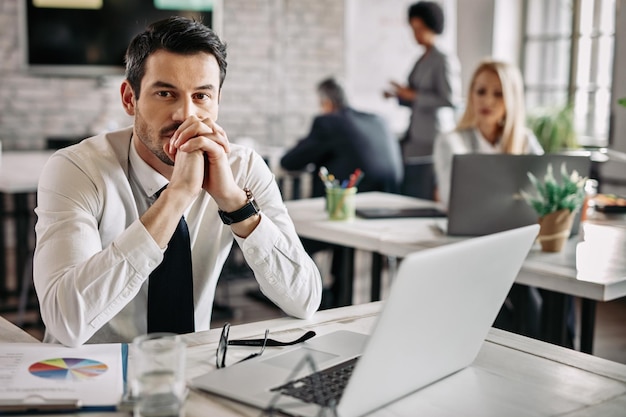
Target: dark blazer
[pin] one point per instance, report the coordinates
(344, 141)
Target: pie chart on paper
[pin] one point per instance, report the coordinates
(72, 369)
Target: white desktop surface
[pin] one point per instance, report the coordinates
(394, 237)
(10, 333)
(512, 375)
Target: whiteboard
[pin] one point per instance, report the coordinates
(380, 47)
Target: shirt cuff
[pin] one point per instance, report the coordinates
(139, 248)
(262, 239)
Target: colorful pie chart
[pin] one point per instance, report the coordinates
(73, 369)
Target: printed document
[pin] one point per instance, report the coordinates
(40, 372)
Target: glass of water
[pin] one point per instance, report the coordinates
(158, 374)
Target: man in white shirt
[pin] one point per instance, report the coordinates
(102, 229)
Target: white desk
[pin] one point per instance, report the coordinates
(10, 333)
(593, 269)
(512, 375)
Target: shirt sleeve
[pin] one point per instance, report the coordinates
(80, 284)
(446, 146)
(285, 272)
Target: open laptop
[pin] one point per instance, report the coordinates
(439, 310)
(485, 190)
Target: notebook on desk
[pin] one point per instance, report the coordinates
(485, 190)
(433, 324)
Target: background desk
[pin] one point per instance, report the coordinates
(593, 269)
(591, 266)
(19, 176)
(512, 375)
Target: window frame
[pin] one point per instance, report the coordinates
(593, 128)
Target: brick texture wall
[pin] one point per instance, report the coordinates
(278, 51)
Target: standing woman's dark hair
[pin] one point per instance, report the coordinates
(430, 13)
(174, 34)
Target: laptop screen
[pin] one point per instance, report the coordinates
(485, 190)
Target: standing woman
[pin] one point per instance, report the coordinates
(493, 122)
(432, 86)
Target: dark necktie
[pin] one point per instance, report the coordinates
(170, 288)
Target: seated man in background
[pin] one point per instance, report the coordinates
(118, 254)
(343, 139)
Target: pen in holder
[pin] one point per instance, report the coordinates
(340, 203)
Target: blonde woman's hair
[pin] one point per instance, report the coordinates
(514, 123)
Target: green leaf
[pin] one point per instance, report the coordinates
(553, 196)
(554, 128)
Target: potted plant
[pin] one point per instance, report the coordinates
(554, 128)
(556, 204)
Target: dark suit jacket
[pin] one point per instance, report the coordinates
(344, 141)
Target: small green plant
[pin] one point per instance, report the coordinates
(553, 196)
(554, 128)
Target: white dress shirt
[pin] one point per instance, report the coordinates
(93, 256)
(467, 141)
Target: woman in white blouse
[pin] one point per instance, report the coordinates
(493, 122)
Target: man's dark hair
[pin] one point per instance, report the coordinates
(331, 90)
(430, 13)
(175, 34)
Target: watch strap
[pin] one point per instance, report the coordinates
(248, 210)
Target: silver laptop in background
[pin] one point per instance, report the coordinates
(485, 190)
(433, 324)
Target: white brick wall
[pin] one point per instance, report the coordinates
(277, 52)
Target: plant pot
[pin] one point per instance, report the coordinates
(555, 229)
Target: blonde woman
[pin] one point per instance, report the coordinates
(493, 122)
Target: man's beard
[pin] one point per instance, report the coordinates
(151, 140)
(160, 153)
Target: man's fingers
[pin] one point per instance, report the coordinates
(220, 135)
(170, 150)
(196, 128)
(204, 144)
(188, 131)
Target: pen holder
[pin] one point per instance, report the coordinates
(340, 203)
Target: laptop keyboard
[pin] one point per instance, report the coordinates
(324, 387)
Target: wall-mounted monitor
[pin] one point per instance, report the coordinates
(89, 37)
